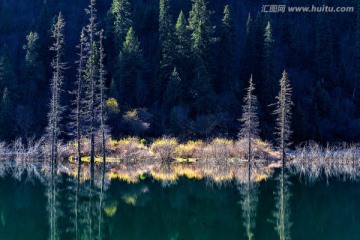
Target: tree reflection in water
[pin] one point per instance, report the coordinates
(282, 208)
(249, 200)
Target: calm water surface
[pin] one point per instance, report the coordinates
(65, 208)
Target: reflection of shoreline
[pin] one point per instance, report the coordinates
(214, 172)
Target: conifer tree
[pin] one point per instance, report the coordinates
(183, 59)
(268, 89)
(7, 74)
(227, 71)
(102, 100)
(256, 36)
(6, 116)
(77, 114)
(34, 68)
(56, 83)
(249, 119)
(201, 39)
(283, 115)
(130, 71)
(202, 90)
(91, 79)
(357, 56)
(167, 46)
(248, 57)
(114, 93)
(173, 92)
(202, 30)
(120, 21)
(33, 87)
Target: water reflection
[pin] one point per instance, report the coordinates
(88, 205)
(249, 201)
(68, 202)
(52, 182)
(282, 206)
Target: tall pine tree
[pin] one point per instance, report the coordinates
(90, 77)
(120, 21)
(226, 79)
(249, 119)
(6, 117)
(202, 30)
(130, 73)
(58, 65)
(7, 74)
(268, 86)
(283, 115)
(202, 39)
(183, 57)
(167, 46)
(34, 85)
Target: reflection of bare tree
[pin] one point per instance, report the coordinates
(282, 210)
(52, 193)
(27, 159)
(87, 197)
(313, 161)
(101, 201)
(4, 161)
(249, 200)
(74, 189)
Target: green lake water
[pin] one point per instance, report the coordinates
(278, 208)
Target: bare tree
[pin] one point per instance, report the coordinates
(77, 114)
(91, 78)
(283, 113)
(102, 96)
(249, 119)
(58, 66)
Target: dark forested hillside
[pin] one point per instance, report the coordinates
(181, 67)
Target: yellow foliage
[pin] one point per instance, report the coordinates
(126, 177)
(188, 172)
(191, 149)
(130, 199)
(164, 142)
(111, 209)
(112, 106)
(260, 177)
(164, 147)
(223, 141)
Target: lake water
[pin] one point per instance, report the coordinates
(278, 208)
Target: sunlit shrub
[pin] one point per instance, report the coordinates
(260, 149)
(191, 149)
(112, 106)
(219, 148)
(164, 148)
(129, 149)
